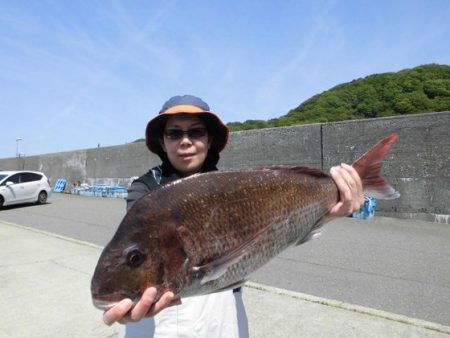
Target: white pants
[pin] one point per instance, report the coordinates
(219, 315)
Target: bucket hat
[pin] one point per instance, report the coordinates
(186, 104)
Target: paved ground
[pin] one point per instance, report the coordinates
(399, 266)
(44, 290)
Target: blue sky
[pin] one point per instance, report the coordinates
(75, 74)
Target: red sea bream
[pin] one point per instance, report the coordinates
(208, 232)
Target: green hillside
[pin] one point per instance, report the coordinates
(418, 90)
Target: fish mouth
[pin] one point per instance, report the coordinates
(103, 304)
(107, 302)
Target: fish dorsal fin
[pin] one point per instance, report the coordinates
(299, 170)
(216, 268)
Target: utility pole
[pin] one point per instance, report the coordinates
(18, 139)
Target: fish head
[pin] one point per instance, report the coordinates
(130, 263)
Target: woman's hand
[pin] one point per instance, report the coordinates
(350, 190)
(124, 312)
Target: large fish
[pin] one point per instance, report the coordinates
(208, 232)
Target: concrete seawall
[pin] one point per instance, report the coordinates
(418, 166)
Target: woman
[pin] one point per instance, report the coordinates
(188, 138)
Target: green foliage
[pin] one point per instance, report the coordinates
(419, 90)
(249, 124)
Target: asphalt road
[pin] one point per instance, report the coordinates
(399, 266)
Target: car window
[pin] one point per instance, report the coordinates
(14, 178)
(2, 177)
(29, 177)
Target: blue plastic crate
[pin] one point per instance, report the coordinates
(60, 185)
(367, 210)
(102, 190)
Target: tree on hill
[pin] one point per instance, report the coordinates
(418, 90)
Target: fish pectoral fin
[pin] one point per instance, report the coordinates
(216, 268)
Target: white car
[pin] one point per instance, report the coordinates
(23, 187)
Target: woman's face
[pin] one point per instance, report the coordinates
(186, 152)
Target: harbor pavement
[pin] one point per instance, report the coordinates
(45, 292)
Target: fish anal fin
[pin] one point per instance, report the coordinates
(315, 232)
(233, 286)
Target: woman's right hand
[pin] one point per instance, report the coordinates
(124, 312)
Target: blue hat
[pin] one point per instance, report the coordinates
(186, 104)
(185, 100)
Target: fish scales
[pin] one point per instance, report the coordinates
(221, 210)
(209, 231)
(280, 203)
(235, 214)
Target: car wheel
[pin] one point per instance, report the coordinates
(42, 197)
(1, 202)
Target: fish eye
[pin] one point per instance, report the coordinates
(135, 258)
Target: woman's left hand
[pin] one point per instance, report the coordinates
(124, 311)
(350, 190)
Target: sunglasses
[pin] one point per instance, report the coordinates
(177, 134)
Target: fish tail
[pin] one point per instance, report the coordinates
(369, 166)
